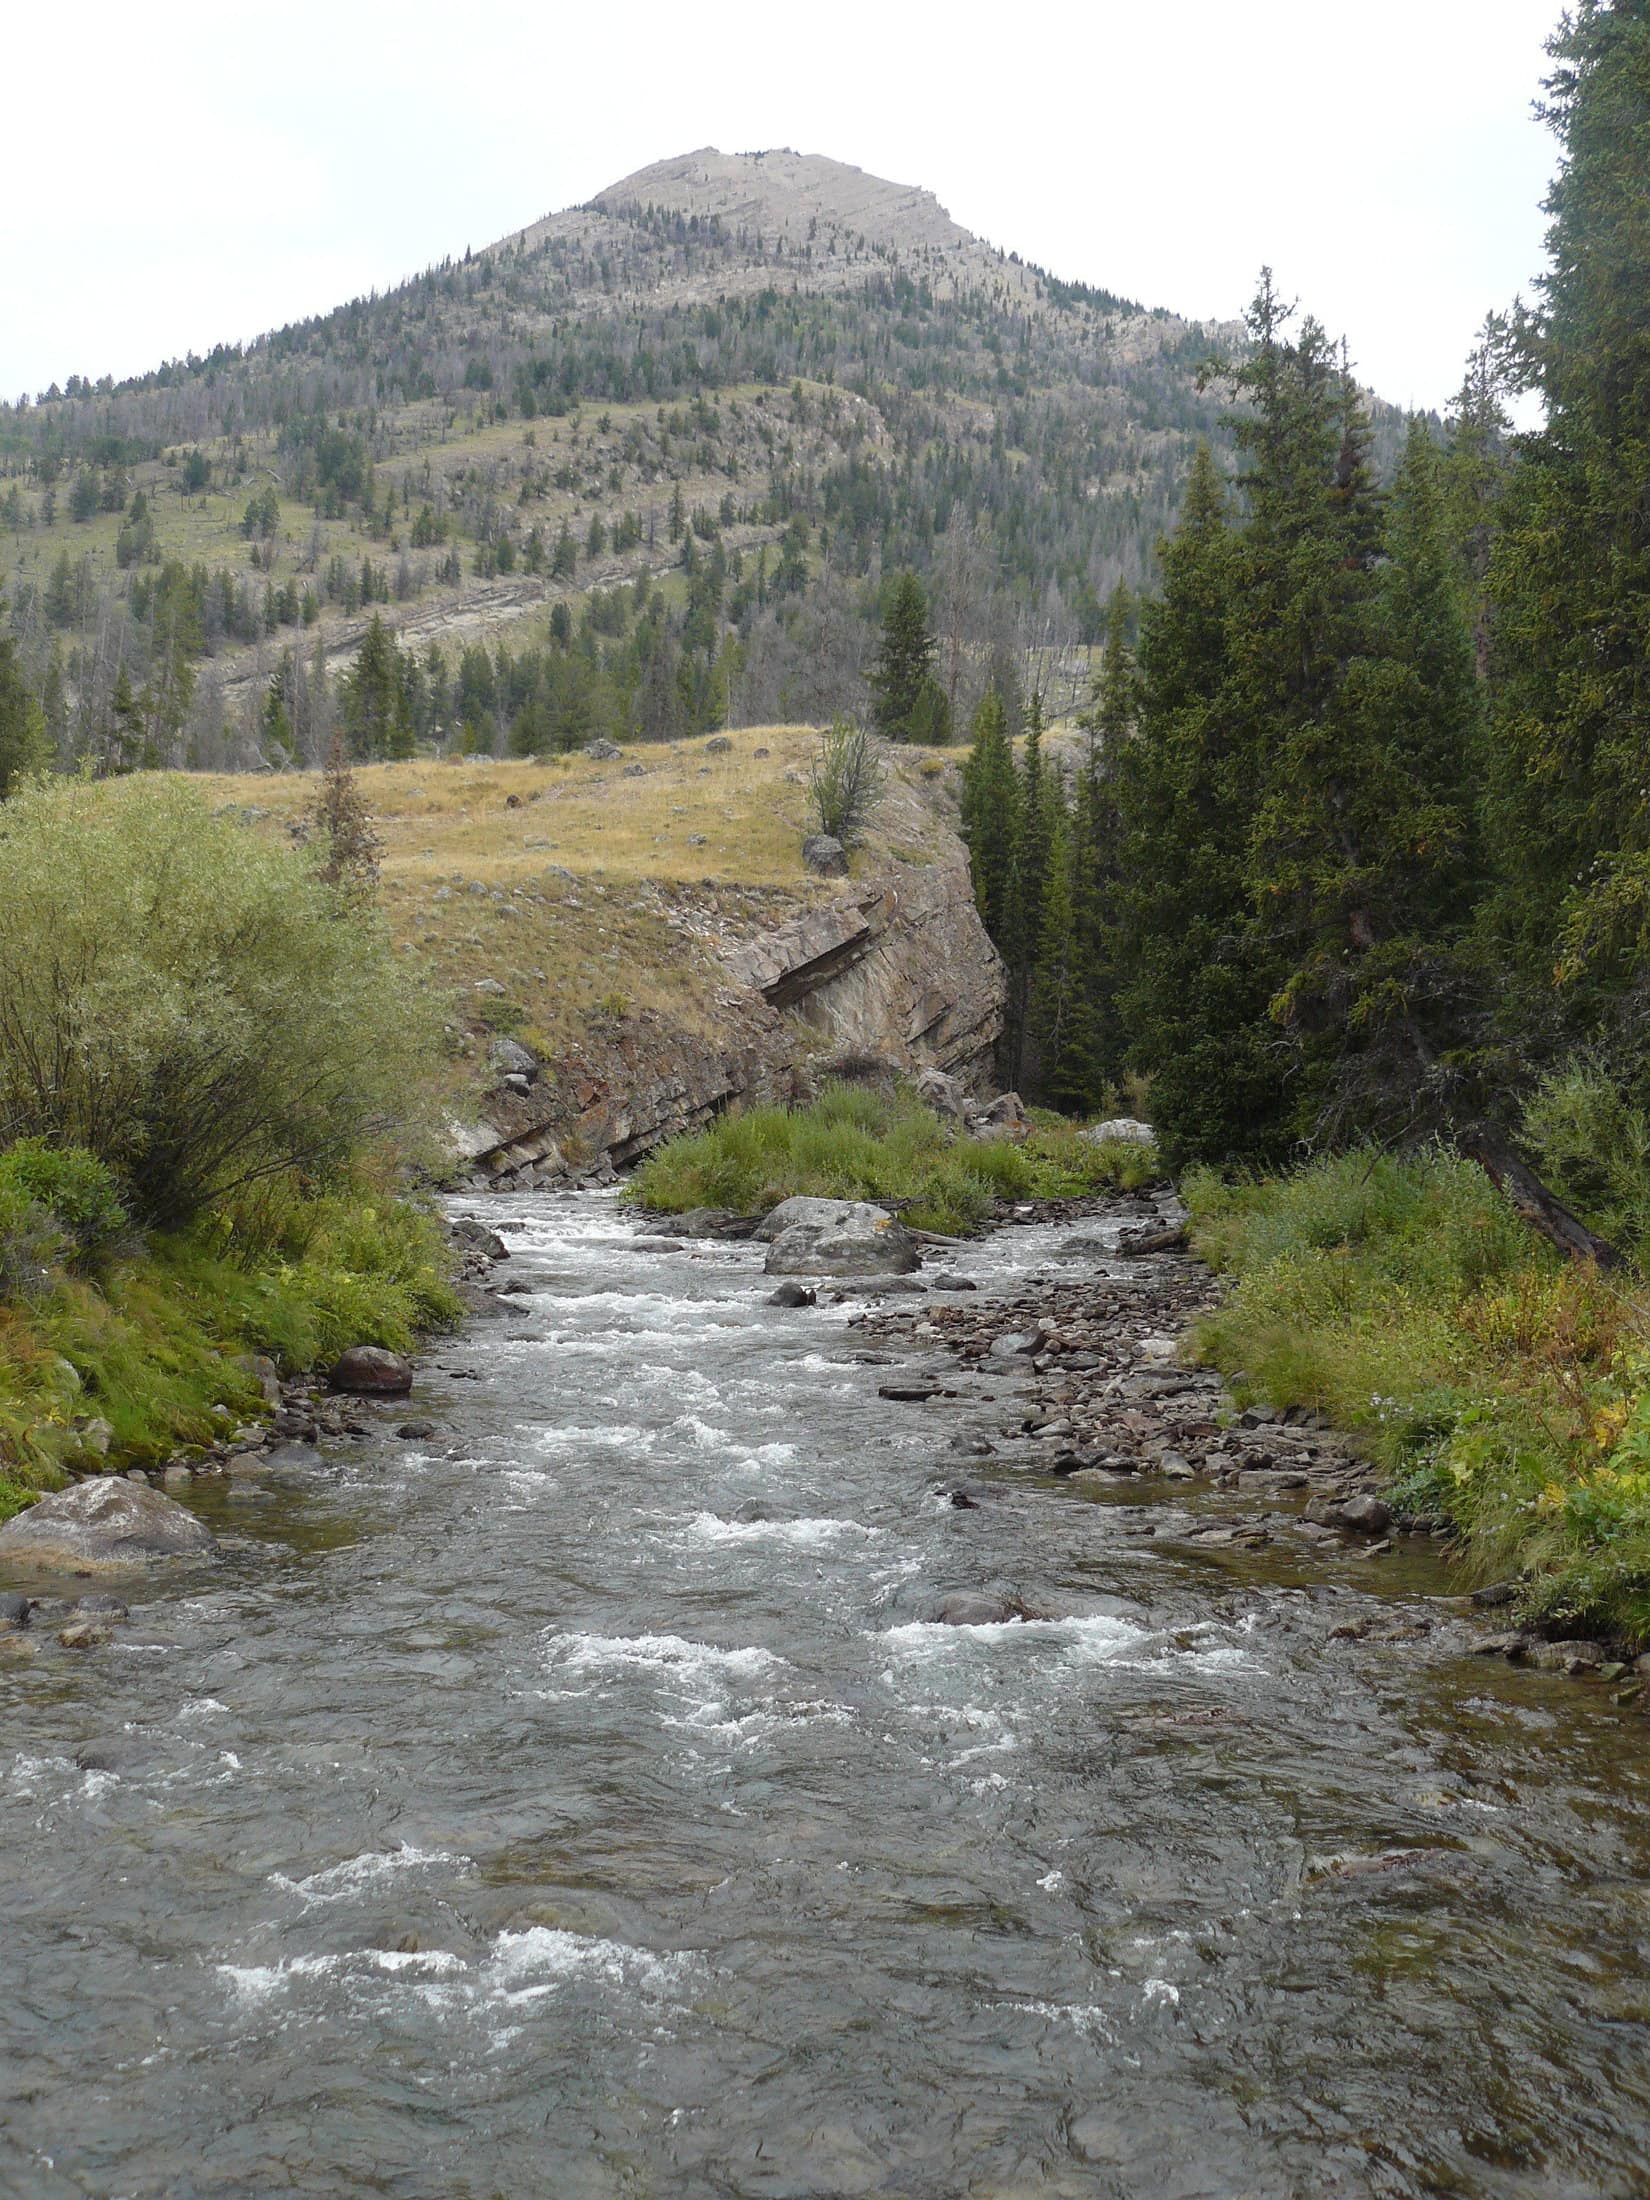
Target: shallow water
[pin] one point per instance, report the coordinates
(580, 1804)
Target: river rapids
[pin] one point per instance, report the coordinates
(578, 1803)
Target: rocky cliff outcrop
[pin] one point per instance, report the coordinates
(898, 966)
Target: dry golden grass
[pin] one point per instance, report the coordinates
(584, 892)
(694, 813)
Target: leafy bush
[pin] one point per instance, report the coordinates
(1592, 1145)
(32, 1246)
(70, 1186)
(845, 782)
(860, 1141)
(191, 1004)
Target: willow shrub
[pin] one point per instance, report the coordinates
(189, 1003)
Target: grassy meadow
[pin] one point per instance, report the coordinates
(582, 890)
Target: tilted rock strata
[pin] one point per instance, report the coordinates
(899, 967)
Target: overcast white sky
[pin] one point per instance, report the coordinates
(203, 170)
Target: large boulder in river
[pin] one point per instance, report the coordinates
(371, 1372)
(856, 1247)
(1122, 1130)
(819, 1214)
(102, 1525)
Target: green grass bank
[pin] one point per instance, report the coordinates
(152, 1338)
(858, 1142)
(1494, 1382)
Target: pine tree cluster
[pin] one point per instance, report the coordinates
(1360, 845)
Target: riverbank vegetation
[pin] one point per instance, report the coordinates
(860, 1142)
(1355, 870)
(1502, 1387)
(213, 1066)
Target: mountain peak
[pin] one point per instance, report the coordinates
(781, 193)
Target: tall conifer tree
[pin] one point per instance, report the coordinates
(1570, 572)
(1195, 987)
(990, 814)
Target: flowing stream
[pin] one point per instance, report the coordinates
(578, 1803)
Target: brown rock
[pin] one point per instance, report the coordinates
(369, 1371)
(1366, 1515)
(102, 1525)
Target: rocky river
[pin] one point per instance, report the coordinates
(736, 1755)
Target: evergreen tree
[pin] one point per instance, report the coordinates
(1475, 476)
(990, 814)
(1075, 1017)
(1036, 807)
(1081, 1038)
(1196, 984)
(903, 672)
(376, 722)
(24, 746)
(1111, 717)
(1061, 979)
(275, 726)
(1570, 570)
(1363, 860)
(123, 748)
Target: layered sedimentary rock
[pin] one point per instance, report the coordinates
(897, 967)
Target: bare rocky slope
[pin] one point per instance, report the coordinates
(896, 967)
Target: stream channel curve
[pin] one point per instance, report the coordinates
(579, 1803)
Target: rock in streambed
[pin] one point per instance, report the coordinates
(103, 1525)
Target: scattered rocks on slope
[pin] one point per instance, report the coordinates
(825, 856)
(945, 1095)
(1004, 1118)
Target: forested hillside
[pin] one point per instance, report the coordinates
(641, 468)
(1352, 871)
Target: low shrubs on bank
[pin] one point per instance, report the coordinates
(859, 1142)
(1498, 1384)
(214, 1068)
